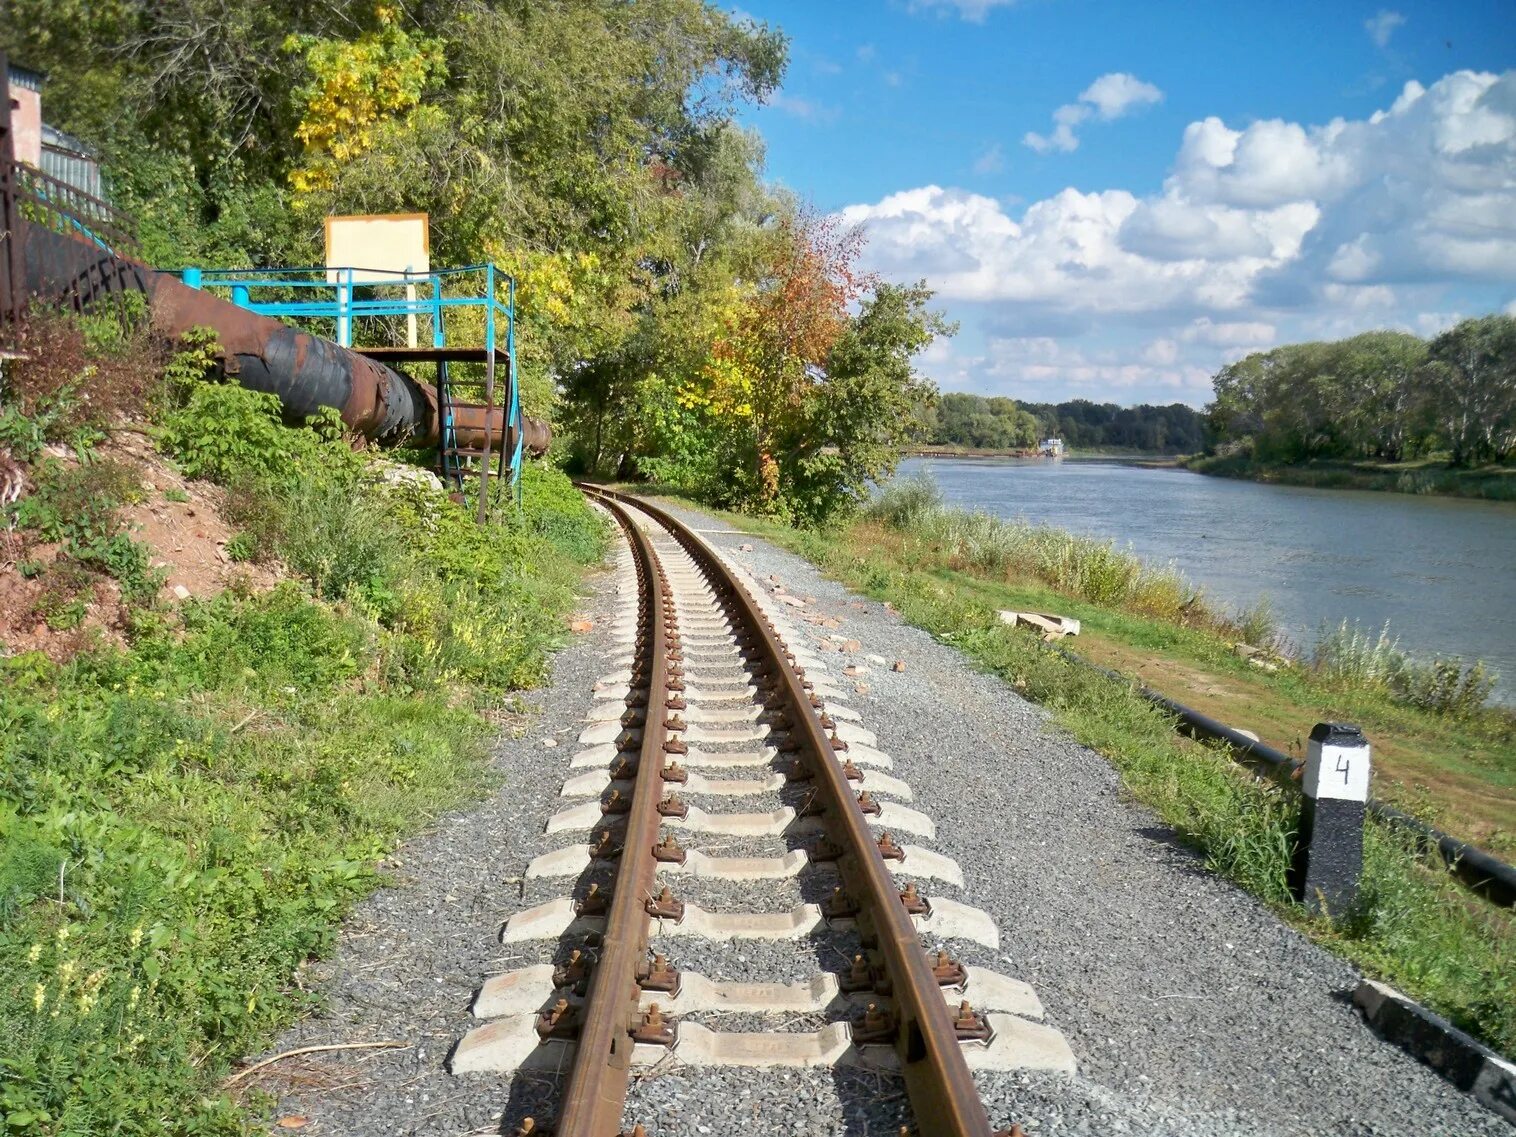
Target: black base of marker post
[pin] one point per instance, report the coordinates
(1335, 782)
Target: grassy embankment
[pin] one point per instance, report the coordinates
(948, 572)
(1423, 476)
(193, 793)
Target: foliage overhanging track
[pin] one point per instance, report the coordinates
(923, 1032)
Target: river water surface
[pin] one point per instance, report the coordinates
(1441, 571)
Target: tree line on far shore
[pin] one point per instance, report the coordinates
(1004, 424)
(1386, 395)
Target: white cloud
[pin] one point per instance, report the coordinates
(991, 161)
(1251, 334)
(1110, 97)
(1163, 351)
(1381, 26)
(1274, 214)
(1115, 94)
(972, 10)
(805, 109)
(1260, 234)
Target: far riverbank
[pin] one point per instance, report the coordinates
(1489, 483)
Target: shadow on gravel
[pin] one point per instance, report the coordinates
(1181, 856)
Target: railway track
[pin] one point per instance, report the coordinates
(716, 701)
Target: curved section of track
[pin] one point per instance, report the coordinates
(597, 1013)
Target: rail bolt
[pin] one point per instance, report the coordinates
(868, 805)
(948, 971)
(595, 902)
(654, 1029)
(561, 1021)
(605, 849)
(669, 851)
(876, 1026)
(665, 906)
(673, 806)
(658, 975)
(969, 1025)
(888, 849)
(914, 902)
(674, 772)
(859, 977)
(839, 905)
(573, 971)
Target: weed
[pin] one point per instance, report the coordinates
(1348, 656)
(242, 547)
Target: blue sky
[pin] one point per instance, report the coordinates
(1115, 199)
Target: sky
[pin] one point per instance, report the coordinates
(1115, 199)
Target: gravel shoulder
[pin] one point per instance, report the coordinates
(1189, 1007)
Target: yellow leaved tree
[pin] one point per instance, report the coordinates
(355, 87)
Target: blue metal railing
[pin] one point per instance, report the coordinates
(351, 297)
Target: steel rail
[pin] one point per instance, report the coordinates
(937, 1078)
(595, 1094)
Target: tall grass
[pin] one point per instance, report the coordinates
(1350, 656)
(1083, 567)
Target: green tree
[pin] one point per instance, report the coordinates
(850, 428)
(1469, 387)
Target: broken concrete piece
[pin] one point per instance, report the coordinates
(1044, 623)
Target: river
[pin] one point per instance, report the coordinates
(1441, 571)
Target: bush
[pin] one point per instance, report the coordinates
(1349, 656)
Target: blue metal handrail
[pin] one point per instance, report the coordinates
(339, 297)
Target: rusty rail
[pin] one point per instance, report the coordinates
(938, 1082)
(595, 1094)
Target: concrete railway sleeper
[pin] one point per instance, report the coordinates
(709, 703)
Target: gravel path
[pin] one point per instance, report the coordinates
(1189, 1007)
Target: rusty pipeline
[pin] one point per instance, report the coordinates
(306, 372)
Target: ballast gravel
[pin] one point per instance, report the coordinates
(1189, 1008)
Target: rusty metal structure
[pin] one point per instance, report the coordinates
(923, 1030)
(64, 248)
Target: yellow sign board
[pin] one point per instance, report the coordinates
(376, 247)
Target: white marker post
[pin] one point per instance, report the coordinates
(1329, 856)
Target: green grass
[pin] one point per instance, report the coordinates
(185, 819)
(1414, 926)
(1423, 476)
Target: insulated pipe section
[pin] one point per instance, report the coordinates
(305, 372)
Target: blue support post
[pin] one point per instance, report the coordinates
(191, 277)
